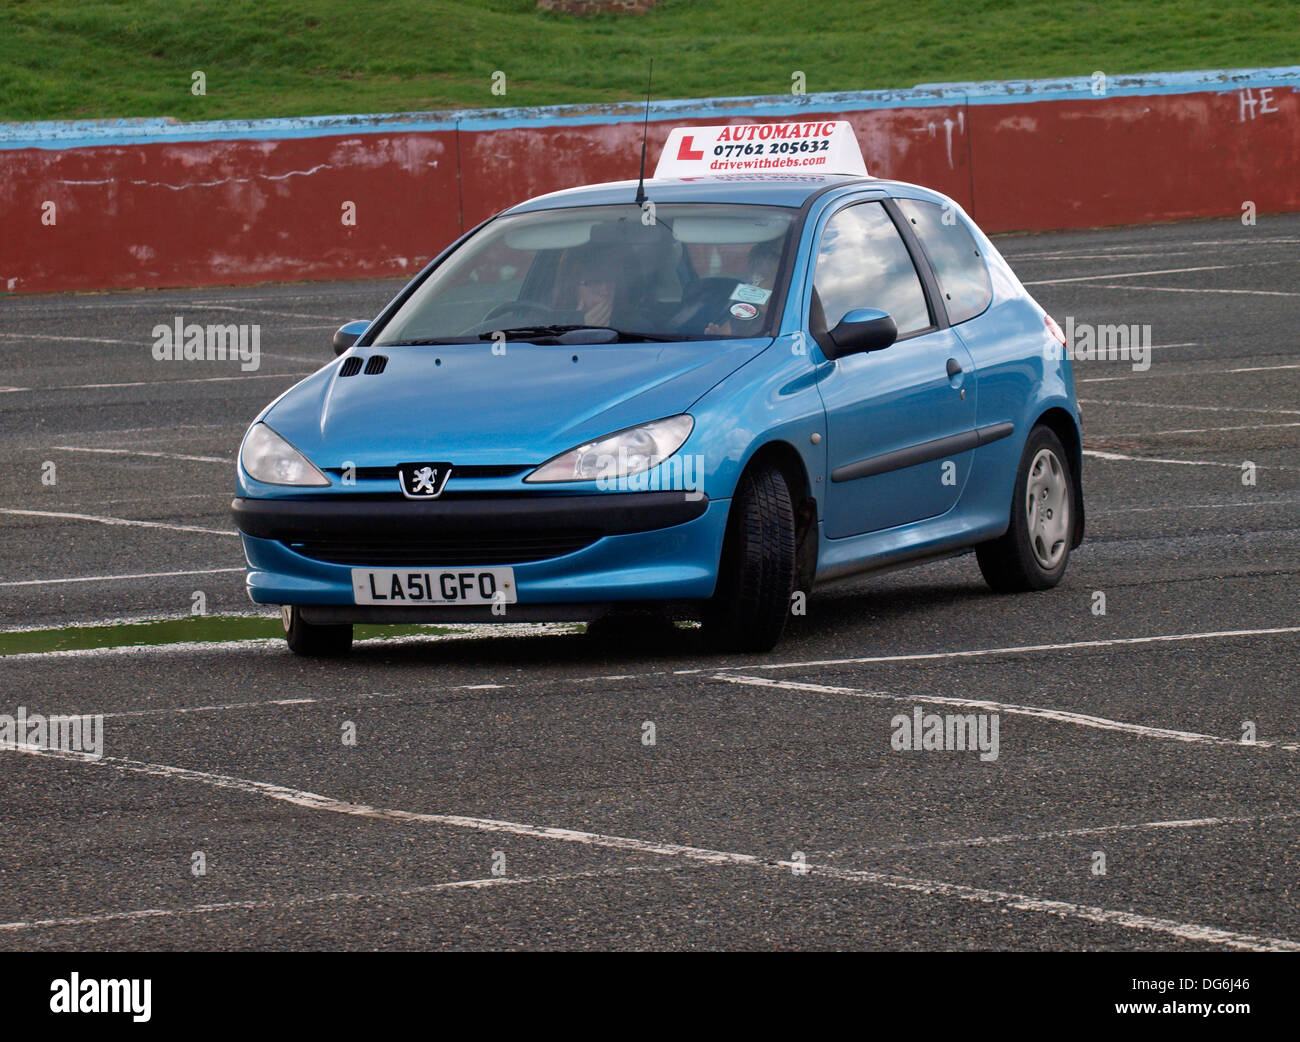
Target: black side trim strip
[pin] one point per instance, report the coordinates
(995, 432)
(922, 453)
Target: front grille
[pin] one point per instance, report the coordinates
(450, 550)
(464, 473)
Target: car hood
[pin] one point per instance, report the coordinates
(462, 403)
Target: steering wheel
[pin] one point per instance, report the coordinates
(544, 313)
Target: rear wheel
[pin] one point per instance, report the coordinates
(311, 639)
(756, 574)
(1034, 550)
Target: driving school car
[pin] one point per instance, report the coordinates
(759, 371)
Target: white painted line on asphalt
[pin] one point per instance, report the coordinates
(161, 383)
(117, 578)
(78, 339)
(1128, 274)
(462, 631)
(1038, 837)
(1182, 289)
(1066, 910)
(1061, 716)
(1195, 506)
(257, 311)
(1190, 372)
(118, 521)
(1018, 650)
(1052, 258)
(926, 887)
(196, 709)
(314, 362)
(274, 703)
(1207, 430)
(271, 645)
(169, 431)
(1252, 243)
(1189, 408)
(300, 900)
(1194, 373)
(1119, 457)
(84, 623)
(1120, 252)
(143, 452)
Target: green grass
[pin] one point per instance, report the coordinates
(73, 59)
(172, 631)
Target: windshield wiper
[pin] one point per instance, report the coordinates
(549, 332)
(429, 341)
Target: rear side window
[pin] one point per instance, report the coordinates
(954, 255)
(862, 263)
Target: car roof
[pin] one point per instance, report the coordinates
(791, 190)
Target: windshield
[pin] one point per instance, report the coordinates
(684, 271)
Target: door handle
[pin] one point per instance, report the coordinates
(954, 367)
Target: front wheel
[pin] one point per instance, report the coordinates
(1034, 550)
(756, 574)
(311, 639)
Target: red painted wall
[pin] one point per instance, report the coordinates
(243, 211)
(1087, 163)
(226, 212)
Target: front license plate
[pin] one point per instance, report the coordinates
(414, 586)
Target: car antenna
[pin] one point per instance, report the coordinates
(645, 127)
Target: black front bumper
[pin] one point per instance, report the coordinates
(335, 517)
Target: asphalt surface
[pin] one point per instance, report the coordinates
(500, 794)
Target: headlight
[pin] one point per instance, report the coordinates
(267, 457)
(620, 454)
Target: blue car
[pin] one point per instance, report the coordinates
(705, 395)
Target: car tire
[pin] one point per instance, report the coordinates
(1033, 552)
(313, 640)
(751, 602)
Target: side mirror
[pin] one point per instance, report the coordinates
(862, 330)
(348, 334)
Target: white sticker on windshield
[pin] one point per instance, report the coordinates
(750, 294)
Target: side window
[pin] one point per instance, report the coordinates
(954, 255)
(862, 263)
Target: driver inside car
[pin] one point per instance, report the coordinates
(603, 290)
(745, 313)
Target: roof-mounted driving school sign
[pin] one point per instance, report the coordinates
(816, 147)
